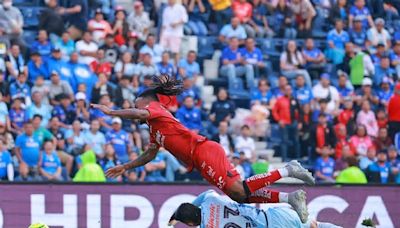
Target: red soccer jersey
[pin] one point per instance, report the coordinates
(166, 131)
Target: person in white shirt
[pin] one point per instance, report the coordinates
(152, 48)
(95, 138)
(173, 19)
(323, 90)
(87, 49)
(139, 21)
(244, 143)
(224, 138)
(378, 35)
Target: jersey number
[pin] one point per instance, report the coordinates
(228, 211)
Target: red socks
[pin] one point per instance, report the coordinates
(264, 196)
(262, 180)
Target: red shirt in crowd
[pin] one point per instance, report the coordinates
(281, 110)
(394, 108)
(345, 116)
(243, 11)
(98, 68)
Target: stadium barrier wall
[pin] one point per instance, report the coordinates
(151, 205)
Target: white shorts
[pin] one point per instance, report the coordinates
(171, 43)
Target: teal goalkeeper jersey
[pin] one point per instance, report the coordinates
(220, 212)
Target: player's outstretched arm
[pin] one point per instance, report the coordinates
(131, 113)
(143, 159)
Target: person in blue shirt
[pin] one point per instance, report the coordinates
(49, 163)
(136, 174)
(234, 29)
(336, 38)
(155, 168)
(359, 9)
(190, 90)
(379, 54)
(394, 161)
(165, 66)
(383, 70)
(189, 67)
(344, 87)
(279, 90)
(36, 67)
(120, 140)
(19, 88)
(322, 111)
(189, 115)
(66, 45)
(262, 95)
(82, 75)
(380, 170)
(65, 111)
(358, 35)
(56, 64)
(18, 116)
(42, 45)
(232, 67)
(325, 166)
(252, 56)
(314, 58)
(302, 93)
(27, 150)
(385, 91)
(6, 165)
(199, 13)
(109, 161)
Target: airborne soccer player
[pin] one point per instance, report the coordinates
(206, 156)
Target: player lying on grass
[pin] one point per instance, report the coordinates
(210, 209)
(196, 151)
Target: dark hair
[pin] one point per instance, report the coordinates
(352, 161)
(164, 85)
(37, 116)
(188, 213)
(245, 127)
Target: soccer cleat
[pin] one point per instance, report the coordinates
(295, 170)
(297, 200)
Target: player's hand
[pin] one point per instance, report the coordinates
(106, 110)
(115, 171)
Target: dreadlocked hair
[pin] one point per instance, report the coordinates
(164, 85)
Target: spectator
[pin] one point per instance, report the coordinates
(132, 45)
(124, 91)
(57, 64)
(76, 15)
(280, 90)
(222, 11)
(189, 115)
(305, 128)
(7, 136)
(125, 66)
(339, 10)
(58, 87)
(324, 166)
(259, 20)
(139, 21)
(235, 160)
(36, 67)
(152, 48)
(378, 35)
(95, 138)
(189, 89)
(137, 174)
(347, 116)
(198, 17)
(323, 134)
(385, 92)
(262, 95)
(165, 66)
(102, 87)
(42, 87)
(155, 168)
(284, 21)
(344, 87)
(380, 171)
(110, 160)
(369, 159)
(304, 13)
(49, 163)
(105, 120)
(6, 165)
(144, 68)
(15, 63)
(361, 140)
(323, 90)
(379, 54)
(358, 35)
(3, 111)
(234, 29)
(12, 21)
(224, 138)
(223, 109)
(18, 116)
(243, 11)
(86, 48)
(352, 174)
(343, 146)
(101, 64)
(231, 64)
(90, 170)
(337, 38)
(382, 141)
(189, 67)
(292, 61)
(245, 143)
(120, 27)
(75, 138)
(394, 112)
(51, 21)
(322, 108)
(251, 55)
(120, 140)
(43, 46)
(302, 92)
(367, 118)
(4, 88)
(27, 148)
(394, 161)
(284, 112)
(81, 106)
(394, 57)
(367, 94)
(314, 58)
(173, 19)
(359, 9)
(383, 70)
(41, 132)
(99, 27)
(381, 118)
(66, 45)
(111, 50)
(20, 89)
(65, 112)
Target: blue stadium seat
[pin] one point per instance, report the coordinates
(205, 45)
(31, 16)
(274, 139)
(236, 89)
(29, 36)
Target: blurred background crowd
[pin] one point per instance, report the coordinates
(270, 80)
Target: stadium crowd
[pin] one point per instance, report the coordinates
(320, 78)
